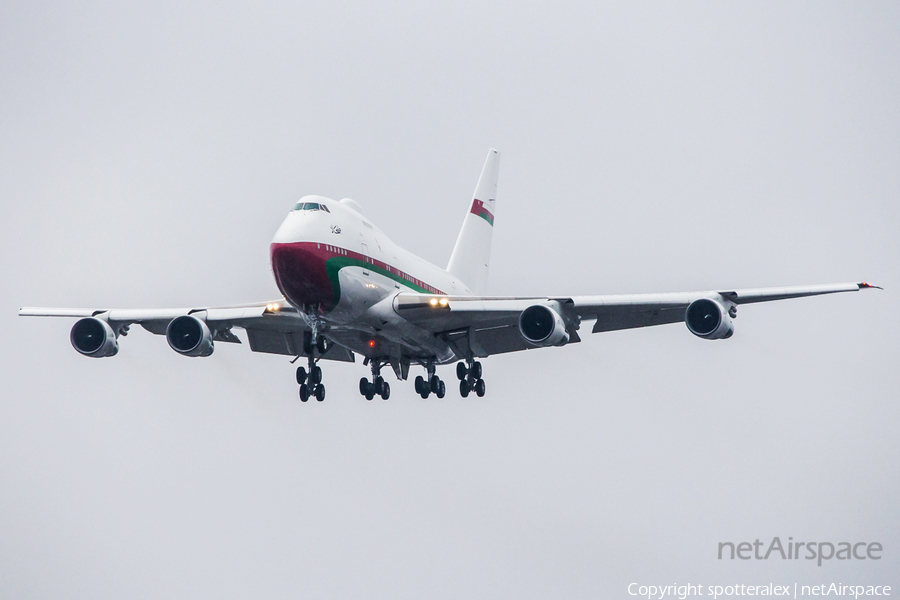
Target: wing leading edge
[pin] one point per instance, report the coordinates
(272, 327)
(472, 326)
(489, 325)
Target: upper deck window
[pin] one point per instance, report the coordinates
(311, 206)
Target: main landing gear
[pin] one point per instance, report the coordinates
(311, 386)
(469, 375)
(310, 379)
(434, 385)
(377, 387)
(425, 386)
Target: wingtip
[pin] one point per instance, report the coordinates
(865, 285)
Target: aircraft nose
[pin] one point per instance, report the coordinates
(290, 230)
(301, 273)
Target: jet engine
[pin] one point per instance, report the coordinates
(94, 337)
(190, 336)
(543, 326)
(708, 319)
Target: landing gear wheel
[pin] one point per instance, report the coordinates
(370, 391)
(420, 385)
(378, 381)
(425, 393)
(315, 375)
(304, 392)
(476, 370)
(385, 390)
(320, 392)
(301, 375)
(442, 389)
(363, 386)
(321, 345)
(479, 388)
(464, 388)
(461, 371)
(435, 383)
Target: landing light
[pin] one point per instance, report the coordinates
(443, 302)
(272, 307)
(433, 301)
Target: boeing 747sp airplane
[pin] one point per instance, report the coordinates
(348, 290)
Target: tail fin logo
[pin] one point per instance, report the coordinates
(478, 209)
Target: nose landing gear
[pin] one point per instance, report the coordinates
(310, 379)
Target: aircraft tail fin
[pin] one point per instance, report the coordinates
(472, 253)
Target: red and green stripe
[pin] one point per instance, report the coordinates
(307, 272)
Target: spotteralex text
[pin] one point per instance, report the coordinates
(791, 550)
(681, 592)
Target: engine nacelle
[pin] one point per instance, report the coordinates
(94, 337)
(190, 336)
(708, 319)
(543, 326)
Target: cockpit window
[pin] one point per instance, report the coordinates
(311, 206)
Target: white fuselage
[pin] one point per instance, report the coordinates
(333, 263)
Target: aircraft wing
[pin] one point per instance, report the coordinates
(481, 326)
(641, 310)
(272, 327)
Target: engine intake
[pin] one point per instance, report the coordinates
(94, 337)
(708, 319)
(543, 326)
(190, 336)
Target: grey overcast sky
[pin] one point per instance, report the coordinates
(148, 151)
